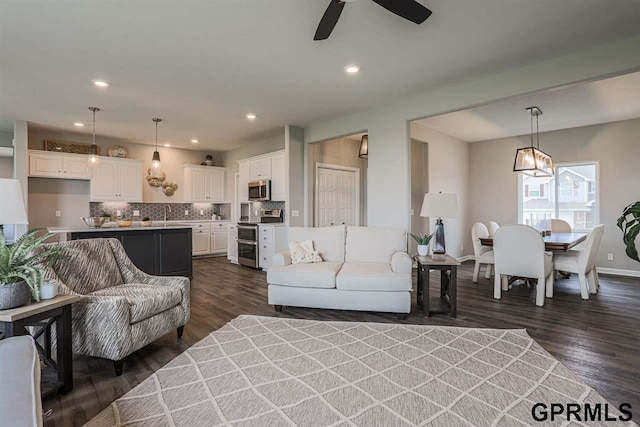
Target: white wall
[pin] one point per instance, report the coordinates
(494, 186)
(448, 172)
(389, 183)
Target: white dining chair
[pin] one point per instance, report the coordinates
(560, 226)
(519, 251)
(482, 254)
(493, 227)
(583, 262)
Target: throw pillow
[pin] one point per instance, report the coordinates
(303, 253)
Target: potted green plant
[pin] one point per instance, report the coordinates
(146, 222)
(629, 223)
(423, 242)
(21, 268)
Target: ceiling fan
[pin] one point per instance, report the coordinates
(407, 9)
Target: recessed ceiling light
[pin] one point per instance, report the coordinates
(195, 140)
(101, 83)
(352, 69)
(167, 145)
(250, 116)
(78, 124)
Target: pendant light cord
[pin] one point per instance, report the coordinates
(156, 135)
(538, 130)
(94, 128)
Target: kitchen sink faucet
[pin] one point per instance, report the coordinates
(166, 207)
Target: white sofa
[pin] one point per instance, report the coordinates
(363, 268)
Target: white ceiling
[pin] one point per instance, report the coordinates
(202, 64)
(584, 104)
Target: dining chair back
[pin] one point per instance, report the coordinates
(482, 254)
(560, 226)
(519, 251)
(493, 227)
(589, 254)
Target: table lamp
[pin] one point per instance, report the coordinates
(439, 205)
(12, 209)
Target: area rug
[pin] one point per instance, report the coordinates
(266, 371)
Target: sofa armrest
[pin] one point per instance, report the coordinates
(401, 262)
(281, 259)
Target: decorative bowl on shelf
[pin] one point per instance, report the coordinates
(124, 222)
(94, 221)
(118, 151)
(146, 223)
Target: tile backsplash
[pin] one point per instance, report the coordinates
(155, 211)
(264, 205)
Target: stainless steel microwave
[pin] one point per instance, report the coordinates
(260, 191)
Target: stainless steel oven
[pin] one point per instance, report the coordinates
(260, 191)
(248, 245)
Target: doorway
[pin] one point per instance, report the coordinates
(337, 195)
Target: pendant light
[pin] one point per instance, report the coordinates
(531, 160)
(155, 161)
(94, 159)
(364, 147)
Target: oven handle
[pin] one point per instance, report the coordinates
(247, 242)
(248, 227)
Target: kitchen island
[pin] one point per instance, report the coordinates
(160, 250)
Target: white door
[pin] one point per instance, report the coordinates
(75, 168)
(130, 186)
(200, 242)
(104, 182)
(199, 183)
(216, 185)
(278, 178)
(336, 197)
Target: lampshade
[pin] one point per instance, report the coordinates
(12, 209)
(533, 162)
(440, 205)
(364, 147)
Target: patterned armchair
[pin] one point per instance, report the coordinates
(121, 309)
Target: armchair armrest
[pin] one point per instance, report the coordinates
(401, 263)
(281, 259)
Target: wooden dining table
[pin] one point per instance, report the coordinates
(552, 242)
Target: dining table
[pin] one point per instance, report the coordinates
(552, 242)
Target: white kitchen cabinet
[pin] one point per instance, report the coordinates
(117, 180)
(218, 240)
(46, 164)
(203, 184)
(271, 240)
(201, 242)
(232, 245)
(260, 169)
(278, 178)
(243, 182)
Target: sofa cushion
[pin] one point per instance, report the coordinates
(328, 241)
(372, 244)
(317, 275)
(88, 265)
(371, 276)
(144, 300)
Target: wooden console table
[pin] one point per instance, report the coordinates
(448, 267)
(57, 374)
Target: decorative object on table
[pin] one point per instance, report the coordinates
(629, 223)
(208, 160)
(94, 157)
(20, 268)
(531, 160)
(67, 147)
(118, 151)
(169, 188)
(363, 153)
(124, 222)
(439, 205)
(156, 170)
(94, 221)
(146, 222)
(48, 290)
(423, 242)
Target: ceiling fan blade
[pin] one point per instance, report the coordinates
(408, 9)
(329, 20)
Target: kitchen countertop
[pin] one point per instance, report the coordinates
(111, 226)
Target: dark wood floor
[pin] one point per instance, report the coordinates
(597, 339)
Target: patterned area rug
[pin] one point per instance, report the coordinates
(266, 371)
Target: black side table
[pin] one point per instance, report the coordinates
(448, 267)
(57, 375)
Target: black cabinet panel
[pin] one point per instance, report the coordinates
(161, 252)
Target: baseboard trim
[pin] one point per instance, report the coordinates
(618, 272)
(466, 258)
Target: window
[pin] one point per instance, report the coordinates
(571, 195)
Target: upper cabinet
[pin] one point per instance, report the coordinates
(268, 166)
(46, 164)
(117, 180)
(203, 184)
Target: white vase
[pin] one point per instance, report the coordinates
(423, 250)
(48, 290)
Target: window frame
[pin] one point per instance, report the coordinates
(556, 213)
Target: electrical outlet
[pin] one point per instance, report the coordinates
(136, 213)
(201, 212)
(609, 257)
(119, 212)
(255, 212)
(412, 212)
(462, 247)
(57, 214)
(186, 212)
(295, 213)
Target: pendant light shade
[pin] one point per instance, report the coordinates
(364, 147)
(94, 159)
(155, 161)
(531, 160)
